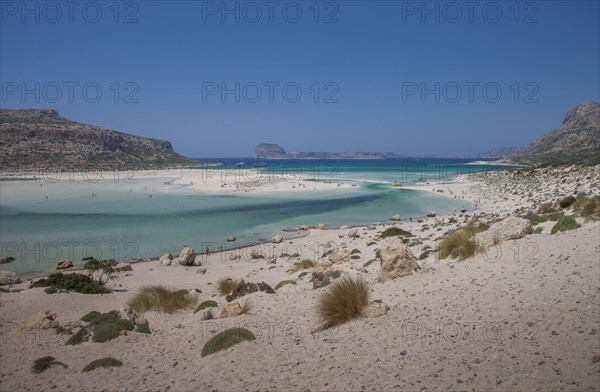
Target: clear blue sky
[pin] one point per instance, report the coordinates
(376, 56)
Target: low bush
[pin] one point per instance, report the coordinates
(283, 283)
(226, 286)
(103, 362)
(206, 304)
(71, 282)
(459, 244)
(536, 219)
(395, 232)
(42, 364)
(302, 265)
(567, 202)
(90, 316)
(226, 339)
(564, 224)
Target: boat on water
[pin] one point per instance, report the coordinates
(396, 184)
(240, 164)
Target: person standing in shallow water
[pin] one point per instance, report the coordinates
(206, 250)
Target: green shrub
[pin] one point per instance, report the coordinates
(226, 339)
(564, 224)
(343, 300)
(78, 337)
(71, 282)
(555, 216)
(104, 267)
(42, 364)
(424, 254)
(303, 274)
(103, 362)
(142, 328)
(368, 263)
(394, 232)
(90, 316)
(206, 304)
(161, 298)
(50, 290)
(538, 230)
(283, 283)
(109, 328)
(355, 257)
(335, 274)
(535, 219)
(567, 202)
(354, 251)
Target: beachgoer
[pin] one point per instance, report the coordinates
(206, 250)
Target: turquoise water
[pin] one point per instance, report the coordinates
(43, 222)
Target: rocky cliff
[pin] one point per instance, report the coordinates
(577, 140)
(501, 152)
(37, 138)
(275, 151)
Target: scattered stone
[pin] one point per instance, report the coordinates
(64, 264)
(396, 261)
(277, 239)
(8, 278)
(431, 214)
(396, 218)
(511, 228)
(344, 227)
(595, 358)
(231, 239)
(353, 234)
(201, 271)
(234, 257)
(231, 310)
(304, 227)
(339, 256)
(166, 259)
(44, 320)
(187, 256)
(375, 309)
(256, 254)
(320, 226)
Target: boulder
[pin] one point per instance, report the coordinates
(64, 264)
(339, 256)
(256, 254)
(396, 218)
(244, 288)
(511, 228)
(231, 239)
(320, 226)
(344, 227)
(231, 310)
(187, 256)
(277, 239)
(234, 257)
(122, 267)
(8, 278)
(303, 227)
(166, 259)
(396, 261)
(6, 260)
(353, 234)
(43, 320)
(290, 230)
(375, 309)
(431, 214)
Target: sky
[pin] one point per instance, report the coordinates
(216, 78)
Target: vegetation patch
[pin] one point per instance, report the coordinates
(368, 263)
(206, 304)
(355, 251)
(536, 219)
(226, 339)
(248, 288)
(78, 283)
(283, 283)
(343, 300)
(567, 202)
(546, 208)
(90, 316)
(564, 224)
(108, 326)
(42, 364)
(538, 230)
(78, 337)
(303, 274)
(591, 209)
(424, 254)
(355, 257)
(103, 362)
(395, 232)
(161, 298)
(143, 328)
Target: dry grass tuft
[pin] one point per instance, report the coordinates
(343, 301)
(459, 244)
(161, 298)
(302, 265)
(226, 286)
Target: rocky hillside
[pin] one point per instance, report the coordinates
(501, 152)
(275, 151)
(36, 138)
(577, 140)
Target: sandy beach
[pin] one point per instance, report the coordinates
(522, 315)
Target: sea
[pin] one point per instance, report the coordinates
(52, 217)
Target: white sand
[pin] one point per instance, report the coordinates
(524, 316)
